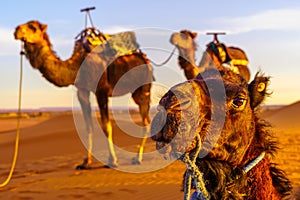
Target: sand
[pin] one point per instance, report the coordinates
(286, 125)
(49, 153)
(50, 149)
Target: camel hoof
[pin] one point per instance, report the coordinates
(136, 161)
(111, 165)
(83, 167)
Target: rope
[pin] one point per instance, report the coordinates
(193, 173)
(90, 18)
(166, 61)
(18, 123)
(88, 15)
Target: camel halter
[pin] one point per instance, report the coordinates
(193, 173)
(18, 122)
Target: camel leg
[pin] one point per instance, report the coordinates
(102, 99)
(83, 97)
(142, 97)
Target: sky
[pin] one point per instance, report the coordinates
(268, 31)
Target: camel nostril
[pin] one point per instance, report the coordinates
(179, 105)
(185, 104)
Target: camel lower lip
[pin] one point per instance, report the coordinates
(173, 133)
(157, 125)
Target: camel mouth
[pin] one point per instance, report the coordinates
(19, 35)
(174, 134)
(172, 39)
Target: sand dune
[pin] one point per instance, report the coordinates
(48, 138)
(287, 117)
(49, 152)
(286, 123)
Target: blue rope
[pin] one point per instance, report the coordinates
(193, 173)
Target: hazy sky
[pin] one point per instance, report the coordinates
(268, 31)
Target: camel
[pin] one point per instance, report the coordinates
(216, 54)
(235, 159)
(62, 73)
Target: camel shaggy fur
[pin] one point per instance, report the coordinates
(223, 109)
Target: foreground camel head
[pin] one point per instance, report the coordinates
(31, 32)
(217, 105)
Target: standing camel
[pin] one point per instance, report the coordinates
(38, 50)
(219, 110)
(216, 54)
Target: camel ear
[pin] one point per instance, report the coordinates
(194, 35)
(258, 90)
(43, 27)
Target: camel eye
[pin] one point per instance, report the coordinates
(184, 36)
(32, 27)
(239, 102)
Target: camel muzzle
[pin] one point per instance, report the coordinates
(18, 33)
(175, 125)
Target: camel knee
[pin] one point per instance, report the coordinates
(83, 97)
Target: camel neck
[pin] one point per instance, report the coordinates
(60, 73)
(261, 176)
(189, 67)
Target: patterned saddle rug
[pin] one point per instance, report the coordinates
(109, 45)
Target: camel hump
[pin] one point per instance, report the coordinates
(237, 56)
(237, 53)
(123, 43)
(234, 55)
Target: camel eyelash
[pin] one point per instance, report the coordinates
(239, 102)
(32, 27)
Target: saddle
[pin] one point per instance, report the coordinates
(229, 57)
(113, 45)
